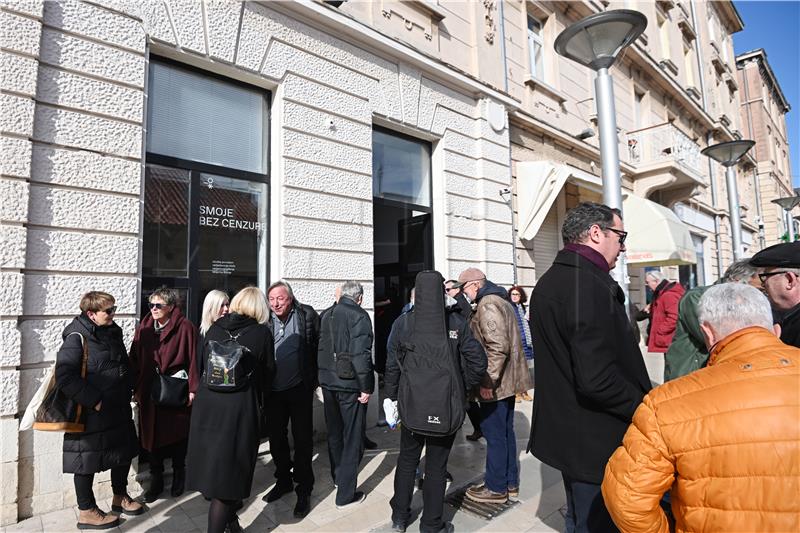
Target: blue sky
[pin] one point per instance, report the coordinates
(775, 26)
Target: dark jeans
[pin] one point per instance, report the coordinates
(586, 510)
(83, 486)
(437, 450)
(295, 404)
(176, 452)
(345, 418)
(497, 425)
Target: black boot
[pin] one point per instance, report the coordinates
(156, 486)
(178, 482)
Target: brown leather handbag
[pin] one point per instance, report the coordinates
(59, 412)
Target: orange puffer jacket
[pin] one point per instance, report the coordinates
(724, 439)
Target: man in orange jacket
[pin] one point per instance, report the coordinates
(724, 440)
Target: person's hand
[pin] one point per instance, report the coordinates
(647, 308)
(191, 398)
(364, 397)
(487, 393)
(98, 406)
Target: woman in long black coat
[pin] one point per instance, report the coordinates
(108, 441)
(224, 431)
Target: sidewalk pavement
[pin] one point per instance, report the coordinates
(539, 509)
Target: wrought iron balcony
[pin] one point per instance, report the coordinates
(665, 143)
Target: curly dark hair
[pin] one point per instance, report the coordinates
(523, 296)
(582, 217)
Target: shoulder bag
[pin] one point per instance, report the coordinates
(57, 412)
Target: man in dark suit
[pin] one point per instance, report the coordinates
(590, 374)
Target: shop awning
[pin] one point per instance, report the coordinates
(538, 185)
(656, 236)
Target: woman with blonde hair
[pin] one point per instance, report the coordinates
(224, 433)
(215, 305)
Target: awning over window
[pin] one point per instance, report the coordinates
(656, 236)
(538, 185)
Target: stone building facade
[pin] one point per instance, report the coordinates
(222, 143)
(763, 113)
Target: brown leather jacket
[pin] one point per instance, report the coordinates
(494, 324)
(724, 439)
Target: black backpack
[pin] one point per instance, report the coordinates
(225, 368)
(430, 395)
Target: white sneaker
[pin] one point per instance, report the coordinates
(357, 498)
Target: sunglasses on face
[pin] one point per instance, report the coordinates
(157, 306)
(765, 275)
(111, 310)
(622, 234)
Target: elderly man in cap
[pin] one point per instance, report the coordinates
(781, 279)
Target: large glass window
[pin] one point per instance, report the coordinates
(206, 197)
(401, 169)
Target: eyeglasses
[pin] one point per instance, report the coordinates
(764, 275)
(622, 234)
(451, 289)
(157, 306)
(111, 310)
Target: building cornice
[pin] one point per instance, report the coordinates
(760, 56)
(361, 34)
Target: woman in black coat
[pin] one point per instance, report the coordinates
(109, 437)
(224, 432)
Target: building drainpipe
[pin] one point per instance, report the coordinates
(699, 54)
(508, 201)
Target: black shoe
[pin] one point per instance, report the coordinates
(178, 483)
(303, 506)
(476, 435)
(278, 491)
(370, 444)
(155, 489)
(234, 526)
(398, 526)
(358, 497)
(447, 528)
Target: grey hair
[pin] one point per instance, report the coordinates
(170, 296)
(581, 218)
(739, 272)
(729, 307)
(352, 289)
(281, 283)
(656, 275)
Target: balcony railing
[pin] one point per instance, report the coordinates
(664, 143)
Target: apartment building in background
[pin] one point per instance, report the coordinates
(763, 116)
(220, 144)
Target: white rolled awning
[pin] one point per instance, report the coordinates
(656, 236)
(538, 185)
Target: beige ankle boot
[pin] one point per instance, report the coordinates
(122, 503)
(96, 519)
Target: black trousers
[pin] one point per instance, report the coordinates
(295, 405)
(176, 452)
(437, 450)
(474, 414)
(345, 418)
(83, 486)
(586, 510)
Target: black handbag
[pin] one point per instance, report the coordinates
(58, 412)
(169, 391)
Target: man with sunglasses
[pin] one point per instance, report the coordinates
(590, 374)
(780, 277)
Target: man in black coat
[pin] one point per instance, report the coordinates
(470, 358)
(780, 276)
(590, 374)
(295, 329)
(347, 379)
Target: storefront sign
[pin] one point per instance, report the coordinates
(222, 267)
(223, 217)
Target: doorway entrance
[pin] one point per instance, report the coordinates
(402, 226)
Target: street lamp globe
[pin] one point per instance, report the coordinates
(788, 203)
(728, 153)
(596, 40)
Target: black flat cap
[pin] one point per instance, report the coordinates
(786, 254)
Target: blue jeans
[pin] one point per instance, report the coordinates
(497, 425)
